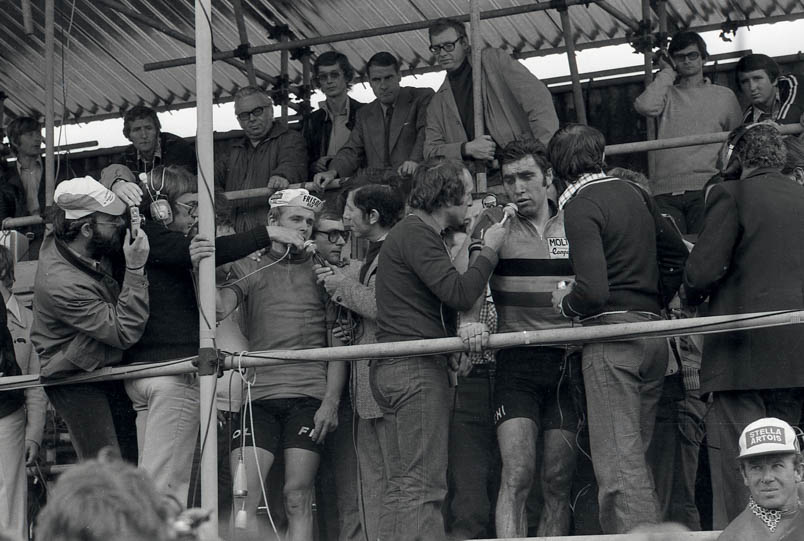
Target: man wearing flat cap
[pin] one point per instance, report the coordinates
(83, 320)
(771, 467)
(293, 406)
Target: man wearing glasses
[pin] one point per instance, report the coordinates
(685, 103)
(327, 129)
(268, 155)
(516, 105)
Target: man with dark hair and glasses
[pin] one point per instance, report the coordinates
(327, 129)
(684, 102)
(268, 155)
(516, 104)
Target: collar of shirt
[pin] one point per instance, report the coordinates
(576, 186)
(37, 166)
(756, 112)
(330, 113)
(157, 152)
(13, 308)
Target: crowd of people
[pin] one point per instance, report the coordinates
(372, 235)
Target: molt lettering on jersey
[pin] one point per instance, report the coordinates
(558, 247)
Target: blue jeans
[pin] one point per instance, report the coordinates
(623, 383)
(415, 397)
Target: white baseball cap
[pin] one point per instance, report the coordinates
(767, 436)
(295, 197)
(82, 196)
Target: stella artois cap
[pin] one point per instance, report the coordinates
(768, 436)
(295, 197)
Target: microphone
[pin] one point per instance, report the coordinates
(312, 249)
(509, 211)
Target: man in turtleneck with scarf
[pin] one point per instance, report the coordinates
(516, 105)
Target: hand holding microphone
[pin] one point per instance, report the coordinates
(509, 211)
(285, 235)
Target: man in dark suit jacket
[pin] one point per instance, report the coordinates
(749, 258)
(388, 133)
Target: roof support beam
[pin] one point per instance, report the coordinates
(620, 16)
(370, 32)
(187, 40)
(27, 17)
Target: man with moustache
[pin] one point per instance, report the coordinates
(84, 320)
(268, 155)
(516, 105)
(388, 133)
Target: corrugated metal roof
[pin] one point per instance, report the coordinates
(103, 51)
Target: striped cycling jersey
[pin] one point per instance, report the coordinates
(529, 269)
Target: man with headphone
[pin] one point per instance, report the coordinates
(748, 259)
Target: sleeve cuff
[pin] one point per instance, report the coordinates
(134, 279)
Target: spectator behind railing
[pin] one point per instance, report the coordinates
(20, 430)
(151, 147)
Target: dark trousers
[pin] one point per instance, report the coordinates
(673, 452)
(730, 413)
(686, 209)
(337, 480)
(98, 415)
(473, 468)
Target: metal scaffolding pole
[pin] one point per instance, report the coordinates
(650, 122)
(50, 98)
(569, 42)
(207, 355)
(370, 32)
(240, 19)
(481, 184)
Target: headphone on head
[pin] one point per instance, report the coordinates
(160, 209)
(728, 163)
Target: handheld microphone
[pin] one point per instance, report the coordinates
(312, 249)
(509, 211)
(136, 221)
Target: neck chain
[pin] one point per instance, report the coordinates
(770, 517)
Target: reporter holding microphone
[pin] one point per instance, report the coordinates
(418, 294)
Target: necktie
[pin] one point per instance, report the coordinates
(389, 112)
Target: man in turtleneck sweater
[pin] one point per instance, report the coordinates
(516, 105)
(686, 103)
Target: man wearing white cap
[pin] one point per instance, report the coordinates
(289, 407)
(83, 319)
(771, 466)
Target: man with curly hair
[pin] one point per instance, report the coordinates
(748, 259)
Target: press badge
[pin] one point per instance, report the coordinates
(558, 247)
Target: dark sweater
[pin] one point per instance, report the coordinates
(460, 81)
(612, 242)
(417, 283)
(172, 329)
